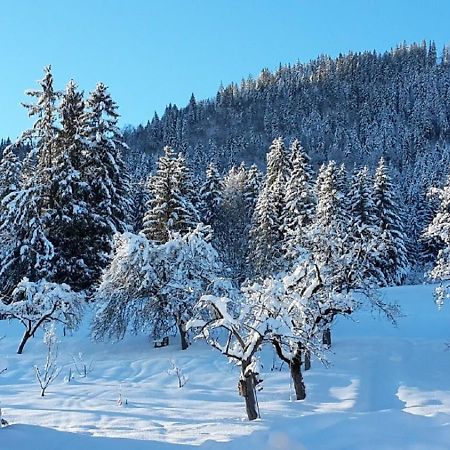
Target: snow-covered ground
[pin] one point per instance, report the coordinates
(386, 388)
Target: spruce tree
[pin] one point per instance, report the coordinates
(27, 212)
(105, 169)
(211, 196)
(253, 184)
(170, 208)
(364, 234)
(328, 235)
(231, 236)
(71, 223)
(108, 199)
(300, 202)
(393, 239)
(266, 236)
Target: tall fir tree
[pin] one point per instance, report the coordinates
(105, 168)
(300, 202)
(254, 179)
(266, 237)
(211, 196)
(231, 236)
(328, 234)
(71, 223)
(390, 221)
(364, 234)
(28, 211)
(170, 208)
(108, 195)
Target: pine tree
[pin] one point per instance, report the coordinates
(364, 234)
(231, 235)
(71, 223)
(300, 202)
(265, 235)
(389, 218)
(105, 169)
(170, 208)
(211, 196)
(277, 162)
(328, 235)
(108, 198)
(253, 184)
(27, 211)
(266, 238)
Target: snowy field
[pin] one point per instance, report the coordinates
(386, 388)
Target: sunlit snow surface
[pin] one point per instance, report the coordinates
(386, 388)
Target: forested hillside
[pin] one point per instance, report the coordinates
(353, 109)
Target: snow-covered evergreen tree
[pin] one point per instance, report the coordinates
(170, 208)
(72, 218)
(364, 233)
(27, 211)
(328, 235)
(266, 238)
(105, 169)
(393, 256)
(231, 235)
(211, 196)
(254, 180)
(300, 202)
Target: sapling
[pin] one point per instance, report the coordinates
(82, 367)
(176, 370)
(50, 371)
(121, 401)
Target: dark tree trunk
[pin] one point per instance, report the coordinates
(183, 335)
(247, 390)
(307, 360)
(24, 340)
(326, 338)
(297, 377)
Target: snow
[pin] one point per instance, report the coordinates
(386, 388)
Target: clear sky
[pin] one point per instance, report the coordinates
(154, 52)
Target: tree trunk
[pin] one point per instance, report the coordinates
(183, 335)
(42, 392)
(297, 377)
(326, 338)
(25, 338)
(247, 390)
(307, 360)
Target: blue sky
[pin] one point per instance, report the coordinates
(153, 52)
